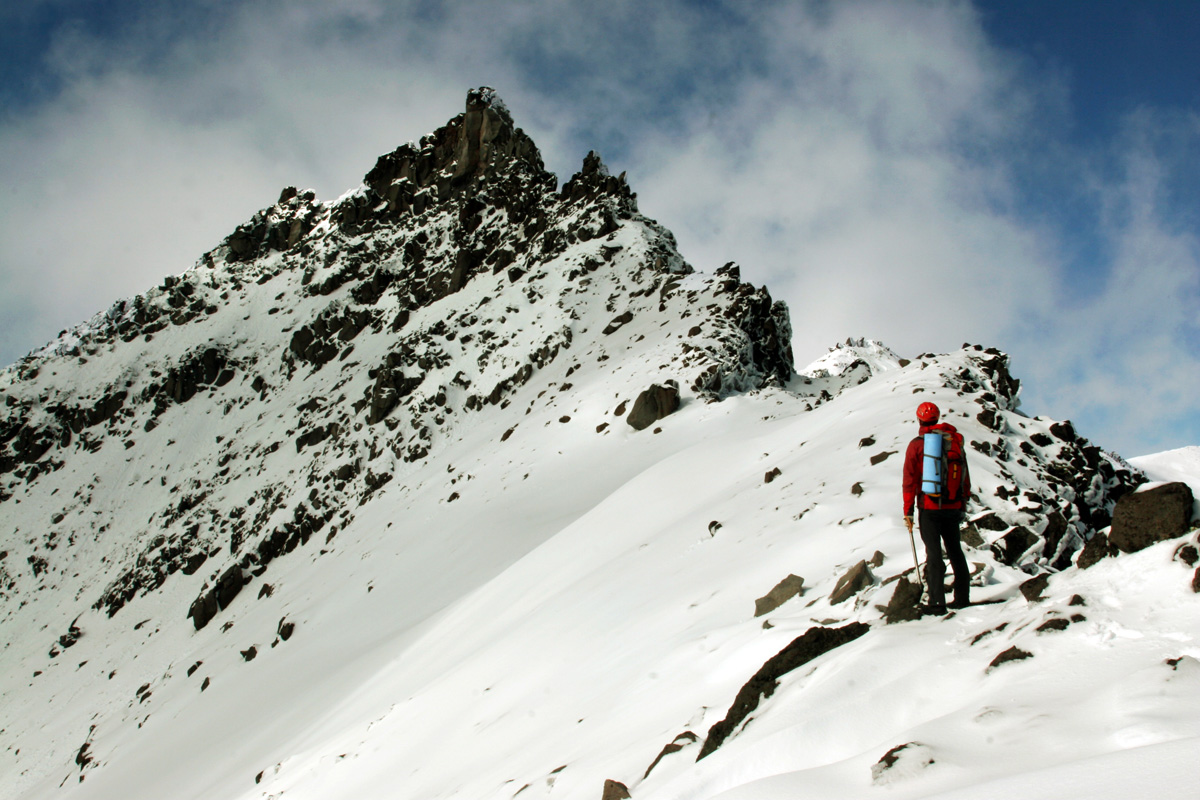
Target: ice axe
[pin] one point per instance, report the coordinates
(913, 541)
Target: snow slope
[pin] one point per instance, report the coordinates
(539, 598)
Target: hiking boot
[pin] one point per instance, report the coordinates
(960, 604)
(934, 610)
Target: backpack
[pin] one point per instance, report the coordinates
(943, 466)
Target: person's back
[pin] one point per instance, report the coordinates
(939, 515)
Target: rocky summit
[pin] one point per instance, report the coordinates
(472, 473)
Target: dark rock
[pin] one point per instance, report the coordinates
(615, 790)
(914, 753)
(1188, 554)
(1155, 515)
(618, 322)
(1196, 581)
(772, 475)
(229, 585)
(1010, 547)
(1033, 588)
(879, 458)
(969, 535)
(193, 563)
(286, 629)
(857, 489)
(989, 522)
(1057, 624)
(866, 442)
(1011, 654)
(855, 580)
(203, 609)
(1065, 431)
(814, 643)
(989, 419)
(905, 604)
(681, 741)
(250, 653)
(192, 669)
(652, 405)
(786, 589)
(1096, 548)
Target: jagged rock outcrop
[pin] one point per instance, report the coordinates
(454, 277)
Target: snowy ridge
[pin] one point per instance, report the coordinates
(353, 509)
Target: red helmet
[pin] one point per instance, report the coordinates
(928, 413)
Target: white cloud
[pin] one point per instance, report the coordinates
(863, 159)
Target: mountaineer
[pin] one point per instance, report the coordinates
(937, 481)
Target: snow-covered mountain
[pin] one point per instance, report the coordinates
(467, 485)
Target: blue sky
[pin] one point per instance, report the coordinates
(1016, 174)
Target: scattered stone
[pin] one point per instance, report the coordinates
(856, 489)
(1187, 554)
(615, 790)
(979, 637)
(854, 581)
(786, 589)
(285, 629)
(618, 323)
(250, 653)
(192, 669)
(1096, 548)
(772, 475)
(879, 458)
(205, 684)
(1011, 654)
(1033, 588)
(1057, 624)
(713, 527)
(903, 761)
(866, 441)
(681, 741)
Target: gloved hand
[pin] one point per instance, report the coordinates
(908, 523)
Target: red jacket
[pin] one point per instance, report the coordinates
(913, 467)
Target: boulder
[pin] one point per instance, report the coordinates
(1155, 515)
(786, 589)
(652, 405)
(854, 581)
(203, 609)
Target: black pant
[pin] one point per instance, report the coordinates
(938, 527)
